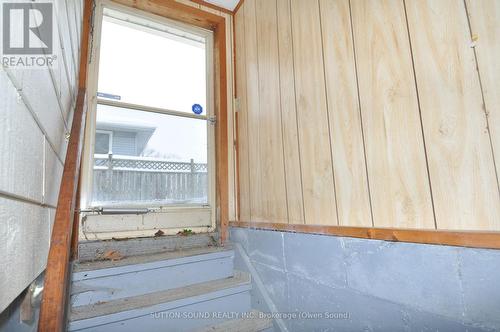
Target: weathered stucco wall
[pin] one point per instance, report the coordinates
(36, 108)
(383, 286)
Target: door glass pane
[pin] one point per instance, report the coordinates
(157, 159)
(147, 63)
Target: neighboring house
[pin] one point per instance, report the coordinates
(122, 139)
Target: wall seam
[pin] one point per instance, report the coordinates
(296, 113)
(20, 198)
(420, 114)
(486, 114)
(360, 113)
(73, 54)
(44, 168)
(58, 97)
(281, 114)
(328, 112)
(246, 110)
(26, 103)
(243, 7)
(63, 53)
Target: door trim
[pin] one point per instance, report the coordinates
(217, 24)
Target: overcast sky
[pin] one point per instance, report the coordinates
(150, 69)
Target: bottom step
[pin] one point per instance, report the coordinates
(178, 309)
(255, 321)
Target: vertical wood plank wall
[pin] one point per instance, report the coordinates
(381, 113)
(231, 130)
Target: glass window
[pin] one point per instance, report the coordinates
(146, 63)
(169, 165)
(102, 142)
(151, 143)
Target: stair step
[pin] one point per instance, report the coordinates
(94, 250)
(105, 281)
(253, 322)
(151, 312)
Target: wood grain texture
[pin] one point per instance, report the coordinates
(177, 11)
(462, 172)
(315, 151)
(221, 127)
(424, 154)
(399, 185)
(487, 240)
(293, 176)
(273, 193)
(238, 6)
(231, 129)
(242, 118)
(345, 123)
(484, 17)
(253, 105)
(205, 4)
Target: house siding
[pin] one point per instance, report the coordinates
(35, 111)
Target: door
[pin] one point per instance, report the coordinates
(150, 154)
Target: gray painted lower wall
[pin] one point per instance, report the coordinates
(382, 286)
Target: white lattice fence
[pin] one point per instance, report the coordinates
(146, 164)
(120, 179)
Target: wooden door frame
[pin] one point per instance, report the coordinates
(193, 16)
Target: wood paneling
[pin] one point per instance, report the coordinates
(273, 194)
(253, 107)
(312, 114)
(207, 5)
(351, 182)
(382, 119)
(231, 117)
(293, 176)
(242, 118)
(484, 19)
(176, 11)
(394, 147)
(461, 167)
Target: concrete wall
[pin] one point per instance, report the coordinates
(36, 108)
(383, 286)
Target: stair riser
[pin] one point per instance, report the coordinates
(96, 286)
(156, 318)
(91, 250)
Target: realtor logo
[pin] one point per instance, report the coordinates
(28, 34)
(27, 28)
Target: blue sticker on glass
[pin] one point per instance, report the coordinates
(197, 109)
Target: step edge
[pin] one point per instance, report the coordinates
(79, 272)
(231, 325)
(240, 282)
(96, 321)
(104, 284)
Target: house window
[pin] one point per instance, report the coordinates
(152, 130)
(103, 142)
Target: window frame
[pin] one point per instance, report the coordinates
(110, 140)
(209, 116)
